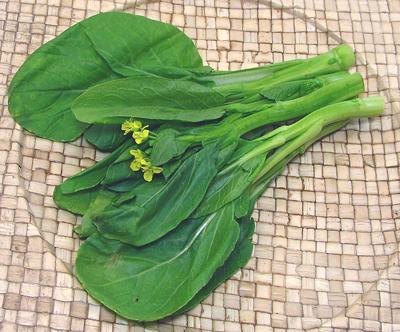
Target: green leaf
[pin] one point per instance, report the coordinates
(170, 167)
(119, 169)
(93, 175)
(154, 98)
(167, 146)
(105, 137)
(292, 89)
(77, 192)
(154, 281)
(236, 260)
(75, 202)
(148, 219)
(124, 185)
(142, 193)
(43, 89)
(229, 185)
(102, 200)
(141, 45)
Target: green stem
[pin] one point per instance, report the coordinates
(339, 90)
(312, 125)
(338, 59)
(221, 78)
(260, 185)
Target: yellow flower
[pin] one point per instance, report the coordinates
(141, 136)
(140, 160)
(149, 171)
(131, 126)
(136, 165)
(138, 154)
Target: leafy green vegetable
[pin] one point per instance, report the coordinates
(157, 245)
(101, 48)
(92, 176)
(75, 202)
(338, 59)
(154, 281)
(296, 89)
(166, 146)
(119, 169)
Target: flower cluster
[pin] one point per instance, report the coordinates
(139, 132)
(141, 161)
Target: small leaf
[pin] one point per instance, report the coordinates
(291, 90)
(105, 137)
(167, 146)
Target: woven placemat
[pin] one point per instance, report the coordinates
(326, 245)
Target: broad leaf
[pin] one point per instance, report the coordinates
(42, 91)
(154, 281)
(119, 169)
(148, 219)
(236, 260)
(124, 185)
(154, 98)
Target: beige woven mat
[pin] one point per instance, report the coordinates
(326, 245)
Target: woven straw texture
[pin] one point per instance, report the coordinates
(326, 245)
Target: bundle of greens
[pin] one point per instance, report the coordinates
(166, 216)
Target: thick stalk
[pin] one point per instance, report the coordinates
(260, 185)
(312, 125)
(339, 90)
(221, 78)
(338, 59)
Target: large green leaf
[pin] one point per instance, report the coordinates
(236, 260)
(101, 48)
(149, 218)
(154, 281)
(119, 169)
(154, 98)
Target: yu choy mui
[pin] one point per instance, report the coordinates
(166, 215)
